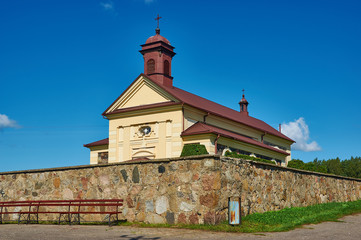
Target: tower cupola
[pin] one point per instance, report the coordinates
(243, 105)
(158, 53)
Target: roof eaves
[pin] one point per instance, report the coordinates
(189, 133)
(141, 107)
(102, 142)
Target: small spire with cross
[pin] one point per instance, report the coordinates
(157, 30)
(243, 104)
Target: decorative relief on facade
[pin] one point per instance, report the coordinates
(142, 131)
(143, 153)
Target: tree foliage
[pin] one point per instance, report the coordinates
(348, 167)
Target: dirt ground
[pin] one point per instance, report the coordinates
(350, 228)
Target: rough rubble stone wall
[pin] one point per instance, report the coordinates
(180, 190)
(265, 187)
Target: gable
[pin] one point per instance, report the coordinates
(143, 95)
(141, 92)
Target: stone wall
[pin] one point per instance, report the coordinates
(181, 190)
(265, 187)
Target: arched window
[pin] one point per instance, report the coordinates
(166, 67)
(150, 66)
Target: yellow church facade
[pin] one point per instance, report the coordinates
(153, 119)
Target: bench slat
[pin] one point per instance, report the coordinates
(63, 205)
(65, 201)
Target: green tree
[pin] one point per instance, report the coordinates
(348, 167)
(334, 166)
(320, 166)
(296, 163)
(352, 167)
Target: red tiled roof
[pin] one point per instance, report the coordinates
(157, 38)
(98, 143)
(212, 108)
(202, 128)
(220, 110)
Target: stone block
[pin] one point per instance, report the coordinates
(173, 167)
(182, 218)
(210, 218)
(56, 182)
(149, 206)
(193, 218)
(140, 217)
(135, 190)
(129, 201)
(161, 205)
(135, 175)
(186, 207)
(104, 180)
(211, 181)
(124, 174)
(170, 218)
(154, 218)
(68, 194)
(209, 163)
(209, 200)
(161, 169)
(173, 202)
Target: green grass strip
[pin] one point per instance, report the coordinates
(276, 221)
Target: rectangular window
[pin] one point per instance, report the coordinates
(103, 157)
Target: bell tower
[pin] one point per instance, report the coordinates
(158, 53)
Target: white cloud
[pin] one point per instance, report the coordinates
(298, 131)
(109, 6)
(6, 122)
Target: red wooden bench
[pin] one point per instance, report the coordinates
(67, 209)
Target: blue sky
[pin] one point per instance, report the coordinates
(62, 63)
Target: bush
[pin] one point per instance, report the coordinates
(193, 149)
(236, 155)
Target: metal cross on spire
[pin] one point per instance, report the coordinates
(157, 19)
(243, 92)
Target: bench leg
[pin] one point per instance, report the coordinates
(75, 217)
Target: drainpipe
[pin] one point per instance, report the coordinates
(183, 116)
(204, 117)
(216, 144)
(262, 137)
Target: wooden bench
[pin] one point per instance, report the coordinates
(67, 209)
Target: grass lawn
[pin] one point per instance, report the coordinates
(276, 221)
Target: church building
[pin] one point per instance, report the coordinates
(154, 119)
